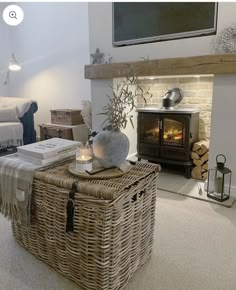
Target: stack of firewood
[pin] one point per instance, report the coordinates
(200, 155)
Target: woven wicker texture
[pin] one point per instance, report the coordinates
(113, 225)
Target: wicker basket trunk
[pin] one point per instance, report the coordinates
(113, 225)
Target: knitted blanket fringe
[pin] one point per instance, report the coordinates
(10, 143)
(16, 178)
(9, 211)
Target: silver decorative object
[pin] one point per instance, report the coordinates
(107, 58)
(225, 41)
(172, 98)
(98, 57)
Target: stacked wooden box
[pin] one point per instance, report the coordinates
(200, 156)
(62, 122)
(48, 131)
(66, 117)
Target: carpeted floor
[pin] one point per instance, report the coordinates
(194, 249)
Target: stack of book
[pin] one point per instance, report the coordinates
(48, 151)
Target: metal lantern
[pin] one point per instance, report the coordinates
(219, 180)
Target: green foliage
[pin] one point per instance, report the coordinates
(146, 59)
(118, 110)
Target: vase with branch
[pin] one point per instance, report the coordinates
(111, 146)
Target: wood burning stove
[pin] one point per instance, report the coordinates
(166, 136)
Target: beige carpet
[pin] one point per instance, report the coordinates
(194, 249)
(175, 182)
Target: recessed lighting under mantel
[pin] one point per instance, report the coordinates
(175, 76)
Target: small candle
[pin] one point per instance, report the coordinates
(218, 184)
(83, 163)
(85, 151)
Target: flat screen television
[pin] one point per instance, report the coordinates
(141, 22)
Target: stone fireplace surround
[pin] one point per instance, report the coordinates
(223, 119)
(197, 89)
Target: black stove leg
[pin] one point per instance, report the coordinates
(188, 172)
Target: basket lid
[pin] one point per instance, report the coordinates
(106, 189)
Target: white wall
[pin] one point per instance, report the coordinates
(5, 52)
(100, 31)
(100, 21)
(223, 120)
(52, 44)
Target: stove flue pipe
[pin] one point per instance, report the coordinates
(172, 98)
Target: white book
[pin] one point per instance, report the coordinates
(47, 161)
(48, 148)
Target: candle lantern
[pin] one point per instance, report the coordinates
(219, 180)
(84, 159)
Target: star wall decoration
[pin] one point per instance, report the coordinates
(97, 57)
(107, 58)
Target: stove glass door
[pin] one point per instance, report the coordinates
(173, 132)
(150, 129)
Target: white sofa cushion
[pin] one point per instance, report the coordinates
(9, 114)
(22, 104)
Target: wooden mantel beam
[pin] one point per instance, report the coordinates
(205, 64)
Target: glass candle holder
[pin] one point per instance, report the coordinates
(84, 159)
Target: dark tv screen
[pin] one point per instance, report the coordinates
(142, 22)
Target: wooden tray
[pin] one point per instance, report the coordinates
(109, 173)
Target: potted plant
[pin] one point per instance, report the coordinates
(111, 146)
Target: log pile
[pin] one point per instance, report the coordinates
(200, 155)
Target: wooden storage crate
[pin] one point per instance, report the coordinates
(66, 117)
(113, 225)
(50, 131)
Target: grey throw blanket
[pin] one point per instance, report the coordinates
(16, 178)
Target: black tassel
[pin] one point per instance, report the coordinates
(70, 209)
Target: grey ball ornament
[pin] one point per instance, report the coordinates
(110, 148)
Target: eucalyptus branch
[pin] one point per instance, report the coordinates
(118, 110)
